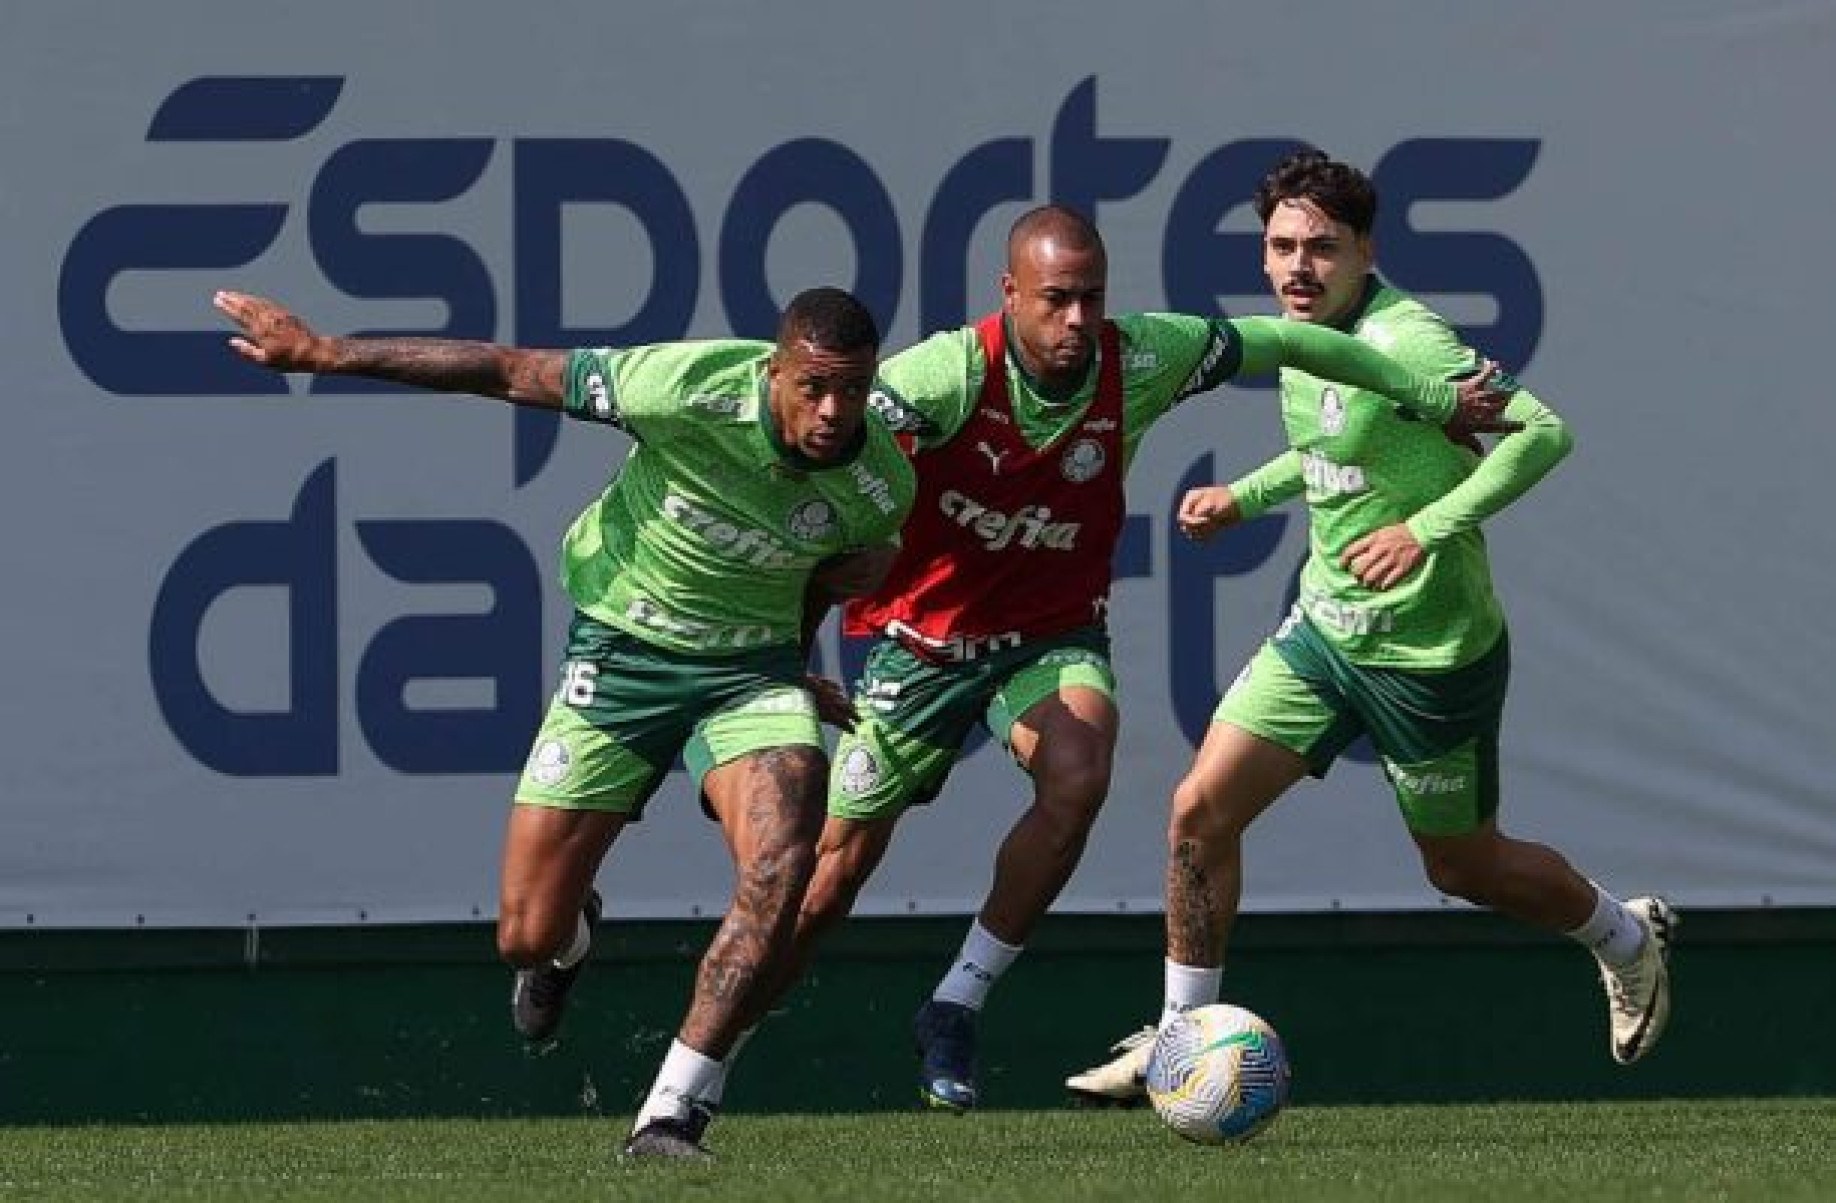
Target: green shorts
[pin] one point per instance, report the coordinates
(626, 709)
(1436, 733)
(915, 714)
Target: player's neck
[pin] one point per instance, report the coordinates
(1055, 388)
(1355, 314)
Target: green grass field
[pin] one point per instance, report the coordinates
(1724, 1149)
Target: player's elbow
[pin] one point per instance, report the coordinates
(1561, 440)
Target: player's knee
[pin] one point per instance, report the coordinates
(1079, 790)
(520, 943)
(835, 885)
(1067, 804)
(1460, 874)
(779, 871)
(1199, 816)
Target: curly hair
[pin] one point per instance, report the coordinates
(1339, 190)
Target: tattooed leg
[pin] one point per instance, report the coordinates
(1199, 911)
(770, 806)
(1235, 777)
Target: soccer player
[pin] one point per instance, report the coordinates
(750, 465)
(1396, 635)
(1022, 426)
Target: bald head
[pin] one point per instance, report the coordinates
(1065, 228)
(1053, 292)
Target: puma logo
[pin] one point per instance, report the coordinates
(994, 457)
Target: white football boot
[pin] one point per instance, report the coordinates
(1638, 995)
(1122, 1079)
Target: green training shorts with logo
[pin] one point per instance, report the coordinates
(1436, 733)
(915, 714)
(626, 708)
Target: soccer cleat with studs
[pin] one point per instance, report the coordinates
(675, 1138)
(944, 1033)
(1638, 994)
(1120, 1081)
(538, 998)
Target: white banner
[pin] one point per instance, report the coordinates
(274, 656)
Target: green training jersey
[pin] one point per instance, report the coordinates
(931, 388)
(1363, 467)
(704, 539)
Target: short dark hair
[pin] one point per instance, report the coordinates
(1053, 221)
(1340, 191)
(830, 318)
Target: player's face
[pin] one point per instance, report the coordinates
(1317, 266)
(819, 397)
(1054, 297)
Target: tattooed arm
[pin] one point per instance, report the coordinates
(277, 339)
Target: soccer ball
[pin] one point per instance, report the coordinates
(1217, 1074)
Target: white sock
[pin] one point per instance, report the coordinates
(1189, 986)
(575, 949)
(982, 960)
(1612, 932)
(718, 1091)
(686, 1076)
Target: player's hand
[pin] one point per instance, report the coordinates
(1383, 558)
(1479, 407)
(271, 336)
(1205, 511)
(1460, 437)
(833, 705)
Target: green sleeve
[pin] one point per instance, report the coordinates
(1271, 343)
(1507, 472)
(587, 391)
(632, 388)
(1166, 358)
(929, 389)
(1266, 487)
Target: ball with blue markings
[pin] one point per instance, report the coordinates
(1218, 1074)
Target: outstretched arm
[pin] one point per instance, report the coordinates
(1272, 343)
(276, 338)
